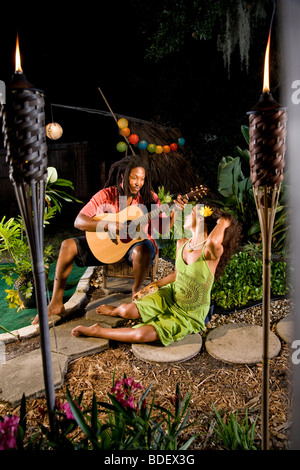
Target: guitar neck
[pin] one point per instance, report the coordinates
(144, 219)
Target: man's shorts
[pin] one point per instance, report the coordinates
(86, 258)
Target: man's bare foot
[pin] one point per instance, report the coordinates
(59, 310)
(106, 310)
(94, 330)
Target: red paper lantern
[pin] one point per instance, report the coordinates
(173, 147)
(133, 139)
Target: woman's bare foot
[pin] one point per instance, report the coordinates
(106, 310)
(94, 330)
(58, 310)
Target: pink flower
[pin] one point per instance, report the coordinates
(129, 403)
(8, 432)
(68, 411)
(123, 390)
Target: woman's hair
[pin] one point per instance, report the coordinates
(120, 171)
(232, 237)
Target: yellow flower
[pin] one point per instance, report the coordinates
(205, 211)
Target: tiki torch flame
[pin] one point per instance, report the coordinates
(266, 84)
(18, 67)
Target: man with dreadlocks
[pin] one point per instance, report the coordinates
(128, 178)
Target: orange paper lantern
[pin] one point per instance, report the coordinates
(125, 132)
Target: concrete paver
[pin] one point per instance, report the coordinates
(178, 351)
(105, 320)
(233, 343)
(284, 328)
(62, 342)
(24, 374)
(240, 343)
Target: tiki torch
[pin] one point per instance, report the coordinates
(25, 139)
(267, 149)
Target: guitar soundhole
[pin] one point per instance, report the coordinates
(130, 232)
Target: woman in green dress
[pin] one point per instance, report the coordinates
(177, 305)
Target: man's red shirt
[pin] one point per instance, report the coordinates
(107, 201)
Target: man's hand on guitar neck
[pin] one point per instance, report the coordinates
(179, 204)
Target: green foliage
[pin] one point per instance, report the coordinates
(168, 245)
(235, 435)
(241, 281)
(17, 268)
(14, 247)
(179, 22)
(235, 189)
(126, 422)
(54, 195)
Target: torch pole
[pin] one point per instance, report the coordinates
(266, 200)
(25, 136)
(267, 145)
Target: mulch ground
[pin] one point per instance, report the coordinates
(230, 387)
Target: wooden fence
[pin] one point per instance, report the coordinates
(79, 162)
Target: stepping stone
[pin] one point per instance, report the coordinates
(179, 351)
(16, 378)
(105, 320)
(62, 342)
(240, 343)
(284, 329)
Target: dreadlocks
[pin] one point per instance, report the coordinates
(119, 172)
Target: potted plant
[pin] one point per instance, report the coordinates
(16, 268)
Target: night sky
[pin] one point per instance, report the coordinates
(70, 52)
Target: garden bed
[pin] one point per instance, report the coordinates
(229, 387)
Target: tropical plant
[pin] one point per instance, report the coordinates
(235, 189)
(126, 422)
(241, 282)
(14, 248)
(54, 195)
(168, 244)
(17, 267)
(235, 435)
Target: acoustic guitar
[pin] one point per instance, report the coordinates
(110, 246)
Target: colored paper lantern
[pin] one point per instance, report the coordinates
(166, 149)
(133, 139)
(181, 141)
(122, 123)
(143, 144)
(125, 132)
(159, 149)
(54, 130)
(173, 147)
(151, 148)
(121, 146)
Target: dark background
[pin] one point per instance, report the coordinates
(70, 51)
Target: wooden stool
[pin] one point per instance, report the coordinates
(123, 270)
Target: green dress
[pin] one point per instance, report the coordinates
(179, 308)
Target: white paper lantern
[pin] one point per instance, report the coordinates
(54, 130)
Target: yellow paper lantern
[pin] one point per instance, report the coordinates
(122, 123)
(54, 130)
(158, 149)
